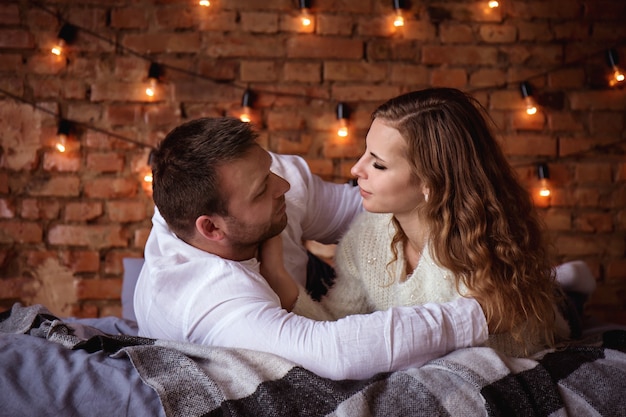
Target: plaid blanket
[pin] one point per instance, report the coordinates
(585, 379)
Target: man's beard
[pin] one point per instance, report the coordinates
(243, 236)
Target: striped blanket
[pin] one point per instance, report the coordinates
(587, 378)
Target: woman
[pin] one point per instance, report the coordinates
(446, 217)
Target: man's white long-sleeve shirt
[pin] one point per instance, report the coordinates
(187, 294)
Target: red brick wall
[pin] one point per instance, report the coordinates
(67, 220)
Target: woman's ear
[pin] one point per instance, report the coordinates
(426, 192)
(210, 227)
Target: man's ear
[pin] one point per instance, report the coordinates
(211, 227)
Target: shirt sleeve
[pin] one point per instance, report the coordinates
(354, 347)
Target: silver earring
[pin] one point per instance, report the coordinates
(425, 197)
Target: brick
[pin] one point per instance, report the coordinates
(452, 32)
(303, 46)
(542, 10)
(15, 231)
(105, 162)
(604, 122)
(594, 222)
(98, 289)
(11, 63)
(293, 23)
(487, 77)
(131, 18)
(363, 92)
(571, 31)
(9, 14)
(44, 209)
(522, 121)
(459, 55)
(376, 26)
(126, 211)
(174, 42)
(219, 69)
(340, 25)
(106, 187)
(56, 186)
(83, 211)
(465, 12)
(292, 144)
(81, 261)
(284, 119)
(140, 237)
(348, 70)
(397, 50)
(244, 46)
(16, 39)
(593, 173)
(558, 220)
(7, 208)
(449, 77)
(534, 31)
(419, 30)
(261, 71)
(533, 55)
(322, 167)
(598, 100)
(61, 162)
(90, 236)
(616, 271)
(337, 147)
(566, 121)
(415, 75)
(302, 72)
(498, 33)
(259, 22)
(218, 21)
(534, 145)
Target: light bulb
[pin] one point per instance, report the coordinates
(618, 77)
(530, 106)
(245, 115)
(58, 48)
(493, 4)
(147, 177)
(204, 3)
(399, 20)
(305, 17)
(544, 188)
(151, 89)
(342, 131)
(61, 143)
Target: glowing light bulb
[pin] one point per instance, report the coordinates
(148, 177)
(527, 95)
(530, 106)
(204, 3)
(342, 131)
(63, 132)
(151, 89)
(245, 115)
(617, 76)
(61, 144)
(493, 4)
(58, 48)
(543, 174)
(246, 103)
(399, 20)
(305, 18)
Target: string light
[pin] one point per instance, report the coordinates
(493, 4)
(147, 174)
(618, 74)
(544, 175)
(66, 36)
(398, 5)
(305, 16)
(246, 104)
(527, 95)
(154, 73)
(63, 132)
(204, 3)
(342, 116)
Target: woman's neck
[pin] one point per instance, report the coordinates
(416, 232)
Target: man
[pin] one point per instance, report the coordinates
(219, 195)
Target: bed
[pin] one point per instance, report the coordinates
(55, 366)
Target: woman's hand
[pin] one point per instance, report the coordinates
(274, 272)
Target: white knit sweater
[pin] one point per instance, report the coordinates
(367, 281)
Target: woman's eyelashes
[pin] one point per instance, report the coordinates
(376, 165)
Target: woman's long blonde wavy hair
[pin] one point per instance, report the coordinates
(483, 225)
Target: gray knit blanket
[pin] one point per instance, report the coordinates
(583, 379)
